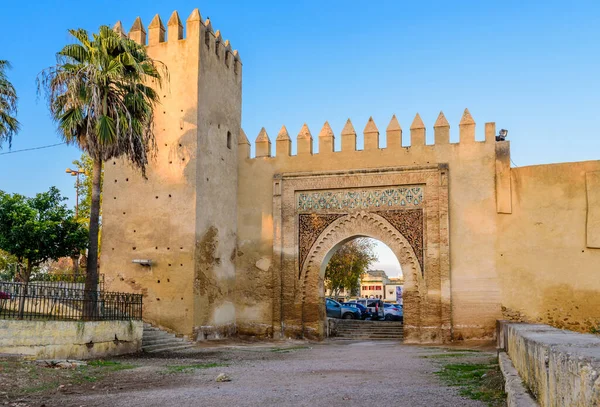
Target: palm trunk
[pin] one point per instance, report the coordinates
(91, 278)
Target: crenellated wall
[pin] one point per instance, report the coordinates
(524, 242)
(472, 171)
(184, 216)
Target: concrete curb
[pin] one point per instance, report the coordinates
(516, 392)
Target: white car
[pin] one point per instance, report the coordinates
(393, 312)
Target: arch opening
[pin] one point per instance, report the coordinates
(340, 232)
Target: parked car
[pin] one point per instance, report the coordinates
(374, 306)
(364, 311)
(393, 313)
(337, 310)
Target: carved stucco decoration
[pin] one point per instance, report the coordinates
(409, 223)
(310, 226)
(363, 221)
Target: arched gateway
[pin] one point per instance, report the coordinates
(405, 208)
(237, 241)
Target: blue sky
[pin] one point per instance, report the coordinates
(532, 67)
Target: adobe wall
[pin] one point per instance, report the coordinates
(548, 256)
(183, 217)
(472, 169)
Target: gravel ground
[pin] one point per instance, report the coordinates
(291, 374)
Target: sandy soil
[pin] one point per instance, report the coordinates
(275, 374)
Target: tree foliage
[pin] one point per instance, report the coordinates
(100, 96)
(34, 230)
(348, 264)
(9, 126)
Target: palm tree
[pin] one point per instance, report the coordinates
(98, 96)
(8, 106)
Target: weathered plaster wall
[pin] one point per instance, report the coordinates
(472, 202)
(70, 339)
(183, 217)
(548, 267)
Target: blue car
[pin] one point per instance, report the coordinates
(364, 311)
(337, 310)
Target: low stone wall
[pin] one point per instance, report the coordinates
(70, 339)
(560, 368)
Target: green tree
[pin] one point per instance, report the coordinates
(38, 229)
(8, 266)
(9, 126)
(99, 97)
(348, 264)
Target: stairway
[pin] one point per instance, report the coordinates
(346, 329)
(156, 340)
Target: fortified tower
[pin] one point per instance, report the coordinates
(183, 218)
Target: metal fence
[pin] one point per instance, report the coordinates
(65, 280)
(47, 302)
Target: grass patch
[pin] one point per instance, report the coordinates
(289, 350)
(191, 368)
(478, 381)
(108, 365)
(444, 355)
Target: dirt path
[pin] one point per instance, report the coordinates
(298, 374)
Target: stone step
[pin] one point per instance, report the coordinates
(169, 348)
(149, 342)
(350, 331)
(158, 334)
(336, 338)
(344, 328)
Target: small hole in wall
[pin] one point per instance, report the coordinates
(206, 179)
(166, 144)
(133, 247)
(170, 162)
(158, 299)
(218, 126)
(158, 281)
(114, 197)
(181, 265)
(115, 180)
(156, 247)
(126, 179)
(156, 197)
(180, 145)
(133, 230)
(169, 195)
(181, 248)
(168, 280)
(229, 140)
(181, 110)
(181, 298)
(113, 248)
(582, 251)
(183, 159)
(114, 163)
(124, 213)
(168, 248)
(169, 264)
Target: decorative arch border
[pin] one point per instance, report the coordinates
(296, 309)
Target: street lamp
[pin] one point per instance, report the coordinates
(76, 173)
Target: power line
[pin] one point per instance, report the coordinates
(33, 148)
